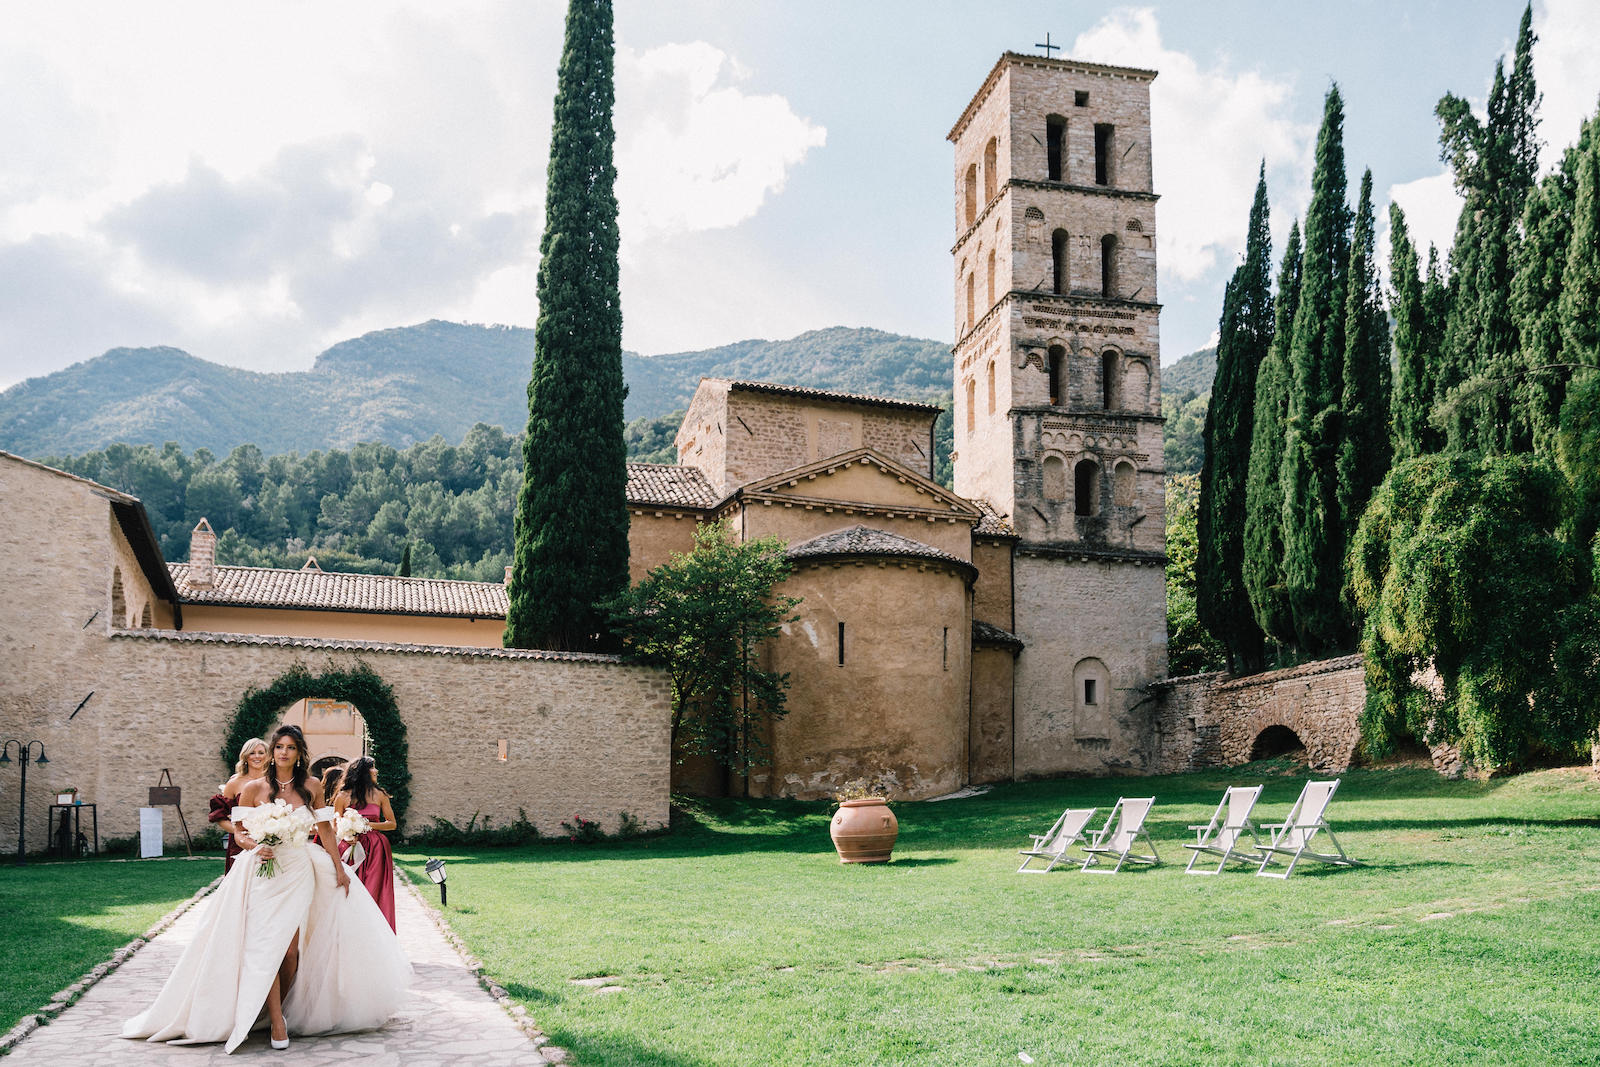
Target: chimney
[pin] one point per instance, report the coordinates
(203, 556)
(508, 575)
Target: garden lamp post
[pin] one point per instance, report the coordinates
(435, 869)
(24, 750)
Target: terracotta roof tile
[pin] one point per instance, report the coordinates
(992, 524)
(825, 394)
(984, 633)
(666, 485)
(343, 645)
(862, 540)
(266, 587)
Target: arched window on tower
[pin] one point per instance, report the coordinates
(1122, 483)
(1086, 488)
(1058, 371)
(1111, 380)
(1055, 478)
(991, 161)
(1104, 140)
(972, 193)
(991, 387)
(991, 278)
(972, 404)
(1108, 265)
(1058, 262)
(971, 301)
(1055, 141)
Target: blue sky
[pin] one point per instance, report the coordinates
(253, 184)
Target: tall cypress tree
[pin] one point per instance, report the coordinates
(1413, 395)
(1580, 280)
(1263, 520)
(571, 552)
(1244, 336)
(1364, 447)
(1313, 539)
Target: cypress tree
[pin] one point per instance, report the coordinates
(405, 562)
(1413, 395)
(1312, 530)
(1263, 520)
(1364, 448)
(1244, 336)
(571, 549)
(1580, 280)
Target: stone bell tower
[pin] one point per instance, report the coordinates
(1057, 393)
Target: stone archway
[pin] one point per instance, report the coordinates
(1275, 740)
(260, 710)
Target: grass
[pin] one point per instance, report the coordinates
(1465, 938)
(61, 919)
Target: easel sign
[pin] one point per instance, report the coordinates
(166, 794)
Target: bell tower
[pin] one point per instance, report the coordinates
(1057, 392)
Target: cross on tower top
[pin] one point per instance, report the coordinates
(1047, 46)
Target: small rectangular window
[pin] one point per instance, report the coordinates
(1088, 690)
(841, 644)
(1104, 137)
(504, 752)
(946, 653)
(1080, 98)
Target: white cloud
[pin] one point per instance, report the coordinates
(1211, 128)
(699, 152)
(1566, 65)
(1432, 206)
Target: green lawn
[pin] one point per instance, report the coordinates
(61, 919)
(1467, 936)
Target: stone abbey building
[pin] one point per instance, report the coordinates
(1012, 627)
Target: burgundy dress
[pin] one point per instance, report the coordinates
(222, 809)
(377, 868)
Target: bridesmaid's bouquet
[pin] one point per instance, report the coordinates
(277, 824)
(350, 825)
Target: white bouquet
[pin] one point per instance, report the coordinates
(274, 825)
(350, 825)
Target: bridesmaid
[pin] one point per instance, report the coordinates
(252, 767)
(331, 779)
(360, 791)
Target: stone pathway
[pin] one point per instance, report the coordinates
(447, 1019)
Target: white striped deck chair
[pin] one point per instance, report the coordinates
(1051, 846)
(1221, 836)
(1122, 830)
(1294, 835)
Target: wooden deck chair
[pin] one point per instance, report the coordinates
(1294, 835)
(1122, 830)
(1220, 837)
(1052, 845)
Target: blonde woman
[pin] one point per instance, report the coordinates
(251, 767)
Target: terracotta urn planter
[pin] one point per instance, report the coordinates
(864, 830)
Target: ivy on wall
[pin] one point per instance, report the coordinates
(259, 711)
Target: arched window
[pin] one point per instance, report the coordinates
(119, 604)
(1108, 265)
(1122, 484)
(1055, 478)
(1058, 379)
(991, 387)
(1111, 380)
(972, 404)
(1104, 139)
(991, 161)
(991, 277)
(1086, 488)
(1058, 262)
(971, 304)
(972, 193)
(1035, 222)
(1055, 139)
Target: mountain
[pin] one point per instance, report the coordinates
(1192, 374)
(406, 384)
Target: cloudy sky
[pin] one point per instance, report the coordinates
(255, 182)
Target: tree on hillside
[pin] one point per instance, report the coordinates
(1313, 543)
(571, 544)
(1244, 336)
(1191, 648)
(1364, 447)
(1418, 330)
(704, 616)
(1263, 520)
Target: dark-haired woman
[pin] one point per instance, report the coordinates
(362, 794)
(302, 946)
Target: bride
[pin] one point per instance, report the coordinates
(303, 917)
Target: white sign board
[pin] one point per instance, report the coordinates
(149, 833)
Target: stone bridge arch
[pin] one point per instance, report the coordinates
(1319, 703)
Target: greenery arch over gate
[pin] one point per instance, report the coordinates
(361, 686)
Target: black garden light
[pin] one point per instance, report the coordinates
(435, 869)
(24, 750)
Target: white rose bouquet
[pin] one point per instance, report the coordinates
(350, 825)
(277, 824)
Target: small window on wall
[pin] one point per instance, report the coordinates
(841, 644)
(1055, 133)
(1104, 141)
(1058, 262)
(1108, 266)
(1080, 98)
(972, 194)
(1089, 691)
(1086, 488)
(945, 655)
(1111, 380)
(1058, 379)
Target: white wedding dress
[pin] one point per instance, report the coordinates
(352, 974)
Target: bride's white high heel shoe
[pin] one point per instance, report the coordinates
(280, 1045)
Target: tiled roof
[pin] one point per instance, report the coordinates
(265, 587)
(984, 633)
(861, 540)
(824, 394)
(669, 486)
(343, 645)
(992, 524)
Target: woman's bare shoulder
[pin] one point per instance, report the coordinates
(253, 792)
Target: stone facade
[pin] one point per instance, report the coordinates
(114, 704)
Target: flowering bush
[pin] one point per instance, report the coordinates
(583, 830)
